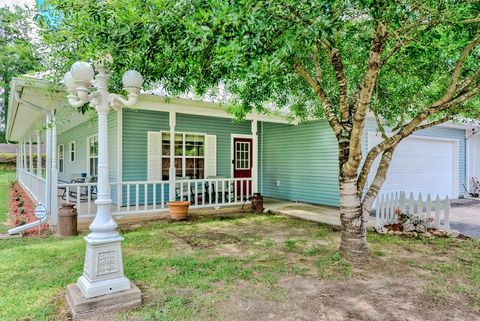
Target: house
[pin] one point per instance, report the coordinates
(216, 160)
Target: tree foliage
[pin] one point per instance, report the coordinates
(18, 52)
(413, 63)
(252, 46)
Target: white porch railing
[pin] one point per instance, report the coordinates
(35, 185)
(145, 197)
(439, 209)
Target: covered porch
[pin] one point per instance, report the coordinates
(178, 149)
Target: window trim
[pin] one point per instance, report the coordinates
(88, 153)
(74, 150)
(61, 169)
(183, 157)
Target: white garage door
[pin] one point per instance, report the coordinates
(422, 165)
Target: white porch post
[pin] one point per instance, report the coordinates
(39, 155)
(24, 146)
(172, 171)
(53, 170)
(17, 162)
(254, 156)
(30, 155)
(48, 168)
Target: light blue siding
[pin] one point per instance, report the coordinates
(137, 123)
(303, 158)
(79, 134)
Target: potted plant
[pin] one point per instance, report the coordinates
(178, 209)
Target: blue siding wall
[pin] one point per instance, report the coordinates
(137, 123)
(303, 158)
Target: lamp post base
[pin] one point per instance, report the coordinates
(91, 290)
(83, 308)
(103, 268)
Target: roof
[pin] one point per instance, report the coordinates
(32, 99)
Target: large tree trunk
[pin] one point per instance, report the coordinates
(353, 245)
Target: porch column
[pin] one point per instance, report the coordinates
(17, 162)
(30, 155)
(172, 172)
(53, 176)
(24, 152)
(254, 156)
(48, 169)
(39, 155)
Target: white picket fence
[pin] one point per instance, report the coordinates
(438, 209)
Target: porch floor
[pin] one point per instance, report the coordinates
(309, 212)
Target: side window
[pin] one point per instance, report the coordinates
(73, 151)
(92, 150)
(61, 157)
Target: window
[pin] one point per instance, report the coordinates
(189, 155)
(60, 156)
(73, 151)
(92, 155)
(242, 158)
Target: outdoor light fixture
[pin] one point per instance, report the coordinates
(103, 267)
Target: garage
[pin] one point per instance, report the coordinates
(422, 165)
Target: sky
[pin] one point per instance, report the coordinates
(4, 3)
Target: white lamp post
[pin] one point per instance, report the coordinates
(103, 267)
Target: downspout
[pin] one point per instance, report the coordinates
(21, 228)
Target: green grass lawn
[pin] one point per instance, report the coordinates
(6, 176)
(251, 268)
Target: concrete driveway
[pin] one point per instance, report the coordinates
(465, 217)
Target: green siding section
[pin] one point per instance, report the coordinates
(137, 123)
(79, 134)
(303, 158)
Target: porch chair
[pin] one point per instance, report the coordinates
(221, 192)
(83, 189)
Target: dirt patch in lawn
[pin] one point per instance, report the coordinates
(383, 297)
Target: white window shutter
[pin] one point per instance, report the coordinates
(154, 164)
(210, 155)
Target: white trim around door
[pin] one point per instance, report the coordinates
(232, 156)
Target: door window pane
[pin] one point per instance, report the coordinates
(242, 155)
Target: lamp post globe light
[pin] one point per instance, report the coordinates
(103, 266)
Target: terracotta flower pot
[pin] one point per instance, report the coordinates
(178, 209)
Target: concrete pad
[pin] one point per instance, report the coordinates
(83, 308)
(466, 219)
(309, 212)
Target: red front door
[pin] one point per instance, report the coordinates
(242, 165)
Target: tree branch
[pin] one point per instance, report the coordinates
(378, 181)
(327, 105)
(433, 123)
(339, 70)
(316, 61)
(452, 87)
(364, 98)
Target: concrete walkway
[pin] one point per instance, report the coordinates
(465, 217)
(309, 212)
